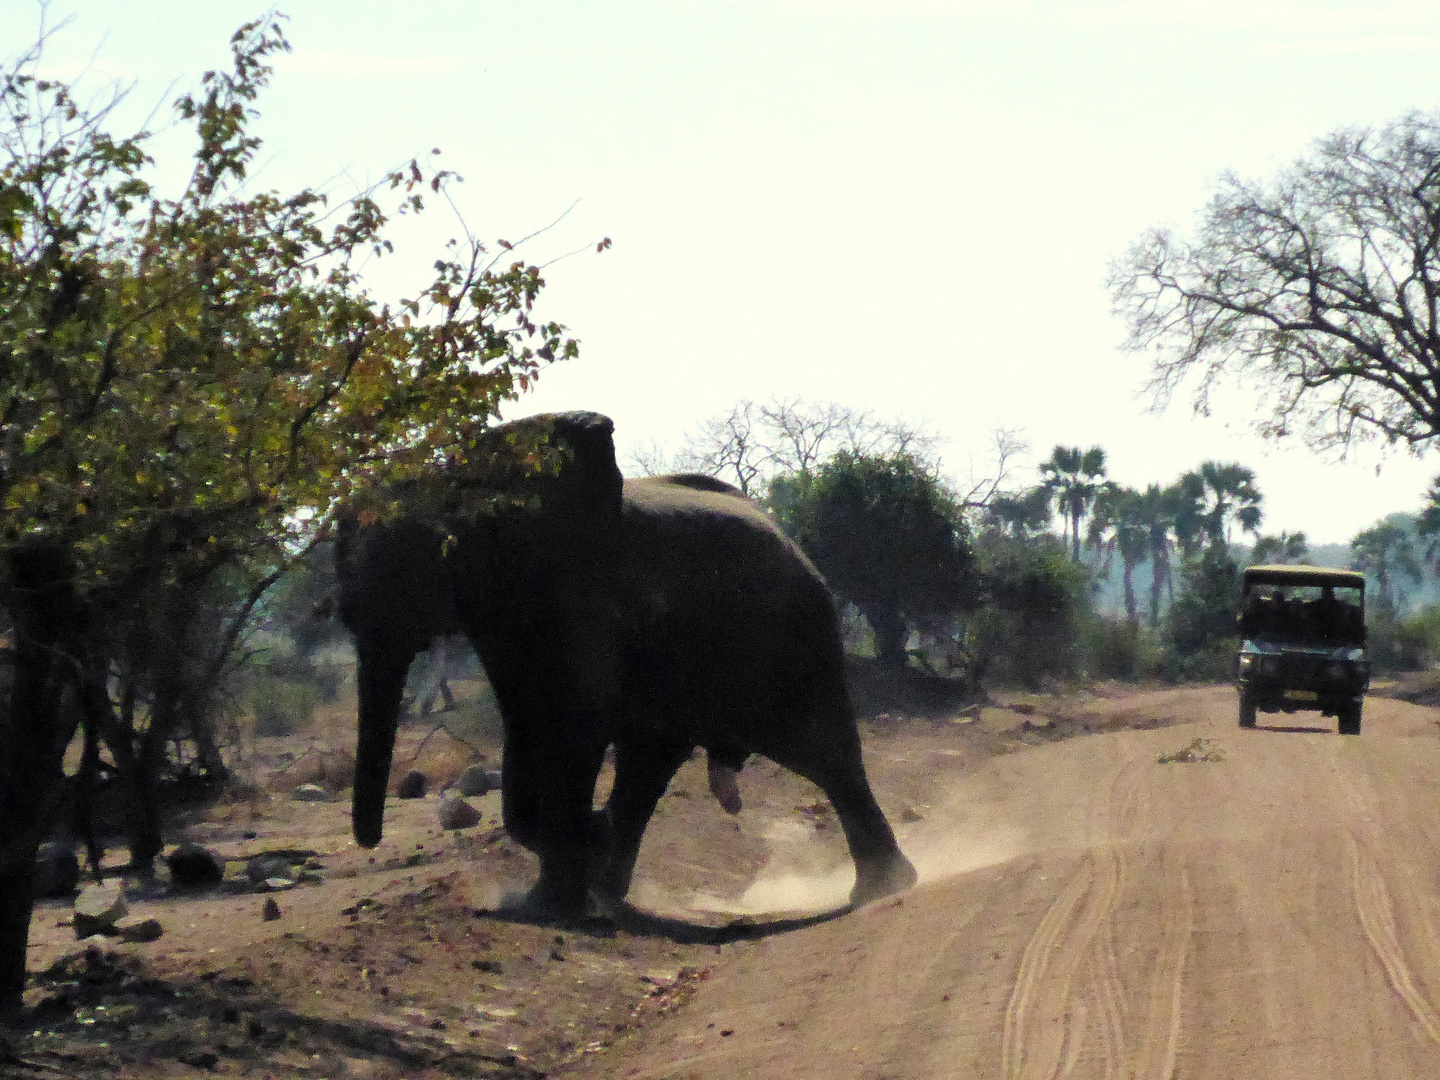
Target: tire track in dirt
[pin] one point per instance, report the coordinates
(1071, 1011)
(1161, 1039)
(1048, 1020)
(1373, 904)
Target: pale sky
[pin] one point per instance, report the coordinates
(900, 205)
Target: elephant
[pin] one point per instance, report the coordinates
(652, 616)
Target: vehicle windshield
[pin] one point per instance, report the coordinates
(1328, 614)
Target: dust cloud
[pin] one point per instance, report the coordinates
(802, 878)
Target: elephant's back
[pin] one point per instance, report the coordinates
(712, 531)
(737, 621)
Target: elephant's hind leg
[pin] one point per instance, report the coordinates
(834, 764)
(642, 773)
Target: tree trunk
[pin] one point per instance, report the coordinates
(32, 744)
(891, 637)
(1157, 586)
(1132, 611)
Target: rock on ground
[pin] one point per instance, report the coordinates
(412, 786)
(477, 780)
(310, 793)
(137, 929)
(98, 908)
(259, 868)
(194, 867)
(456, 813)
(57, 871)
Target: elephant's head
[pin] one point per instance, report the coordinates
(532, 490)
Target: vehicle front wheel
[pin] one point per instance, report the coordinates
(1247, 710)
(1349, 718)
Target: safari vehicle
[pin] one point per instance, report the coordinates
(1302, 631)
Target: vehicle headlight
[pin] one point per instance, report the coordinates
(1337, 671)
(1247, 661)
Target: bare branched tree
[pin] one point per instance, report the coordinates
(730, 446)
(1322, 287)
(753, 443)
(650, 458)
(983, 483)
(802, 435)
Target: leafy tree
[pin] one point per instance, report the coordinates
(1034, 596)
(187, 387)
(1073, 477)
(1320, 286)
(1427, 524)
(1385, 553)
(1287, 547)
(1201, 622)
(889, 538)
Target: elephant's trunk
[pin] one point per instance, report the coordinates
(382, 683)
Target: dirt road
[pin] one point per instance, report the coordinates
(1087, 911)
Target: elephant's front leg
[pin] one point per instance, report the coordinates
(547, 797)
(642, 773)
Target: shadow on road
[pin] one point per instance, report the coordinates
(1294, 728)
(631, 920)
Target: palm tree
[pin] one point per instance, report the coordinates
(1427, 525)
(1231, 496)
(1073, 476)
(1155, 507)
(1020, 515)
(1288, 547)
(1185, 504)
(1384, 552)
(1118, 524)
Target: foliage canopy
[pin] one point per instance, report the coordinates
(188, 387)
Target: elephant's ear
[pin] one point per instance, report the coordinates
(590, 471)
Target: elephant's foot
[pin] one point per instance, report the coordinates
(724, 787)
(874, 879)
(555, 898)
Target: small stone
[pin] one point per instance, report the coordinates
(412, 786)
(278, 884)
(271, 911)
(57, 871)
(456, 813)
(98, 908)
(262, 866)
(136, 929)
(310, 793)
(724, 787)
(194, 867)
(910, 815)
(477, 780)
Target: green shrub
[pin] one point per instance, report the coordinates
(1036, 598)
(1116, 648)
(281, 706)
(1409, 644)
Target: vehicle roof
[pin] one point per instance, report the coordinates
(1289, 574)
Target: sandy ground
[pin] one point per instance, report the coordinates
(1085, 911)
(1272, 914)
